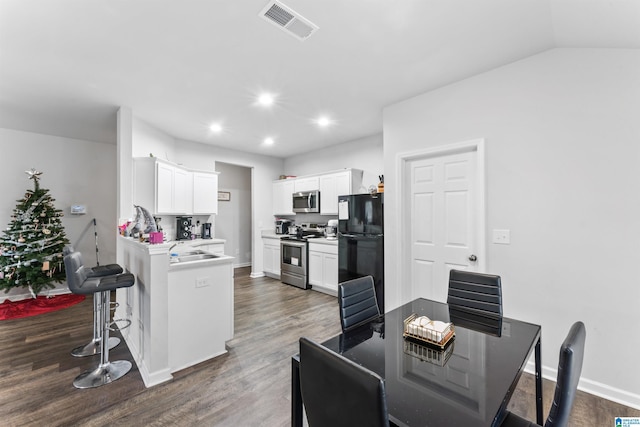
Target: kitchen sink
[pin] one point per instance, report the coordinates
(196, 255)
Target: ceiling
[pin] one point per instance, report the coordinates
(66, 66)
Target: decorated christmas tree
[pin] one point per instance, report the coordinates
(31, 247)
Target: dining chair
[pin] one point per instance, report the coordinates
(569, 369)
(338, 392)
(488, 324)
(357, 302)
(475, 292)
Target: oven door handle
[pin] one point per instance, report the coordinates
(296, 244)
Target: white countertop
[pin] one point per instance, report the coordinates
(323, 241)
(166, 245)
(270, 234)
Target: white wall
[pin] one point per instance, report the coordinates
(562, 149)
(233, 221)
(149, 140)
(76, 172)
(364, 154)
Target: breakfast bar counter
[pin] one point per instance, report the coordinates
(181, 309)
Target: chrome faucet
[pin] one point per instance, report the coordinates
(174, 245)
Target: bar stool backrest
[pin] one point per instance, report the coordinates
(76, 273)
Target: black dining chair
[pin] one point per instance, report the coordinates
(569, 369)
(475, 293)
(338, 392)
(491, 325)
(357, 302)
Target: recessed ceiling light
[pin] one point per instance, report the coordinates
(266, 99)
(268, 141)
(323, 121)
(216, 128)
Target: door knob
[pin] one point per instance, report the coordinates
(473, 258)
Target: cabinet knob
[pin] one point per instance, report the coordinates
(473, 258)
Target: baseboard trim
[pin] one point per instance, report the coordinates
(324, 290)
(256, 274)
(604, 391)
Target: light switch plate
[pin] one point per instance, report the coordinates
(502, 237)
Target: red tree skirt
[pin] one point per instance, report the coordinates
(32, 307)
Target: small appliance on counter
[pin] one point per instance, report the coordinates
(183, 228)
(293, 229)
(206, 230)
(282, 226)
(331, 230)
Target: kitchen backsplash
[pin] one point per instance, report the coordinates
(312, 218)
(168, 224)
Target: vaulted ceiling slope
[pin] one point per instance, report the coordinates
(67, 65)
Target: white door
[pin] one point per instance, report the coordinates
(442, 208)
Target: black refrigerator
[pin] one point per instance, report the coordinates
(361, 240)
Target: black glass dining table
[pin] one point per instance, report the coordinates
(469, 382)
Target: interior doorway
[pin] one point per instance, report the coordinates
(443, 216)
(233, 222)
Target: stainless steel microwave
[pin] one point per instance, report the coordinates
(306, 201)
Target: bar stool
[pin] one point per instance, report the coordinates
(94, 346)
(80, 283)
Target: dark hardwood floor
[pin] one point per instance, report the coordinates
(248, 386)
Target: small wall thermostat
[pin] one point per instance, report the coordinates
(78, 209)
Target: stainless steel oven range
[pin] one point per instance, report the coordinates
(293, 261)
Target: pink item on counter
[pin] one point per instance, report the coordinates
(155, 237)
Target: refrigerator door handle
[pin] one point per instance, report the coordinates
(361, 236)
(346, 235)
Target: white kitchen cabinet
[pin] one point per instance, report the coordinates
(165, 188)
(161, 187)
(323, 267)
(337, 184)
(282, 201)
(182, 192)
(205, 193)
(173, 189)
(306, 184)
(271, 256)
(331, 185)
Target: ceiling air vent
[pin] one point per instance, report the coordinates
(288, 20)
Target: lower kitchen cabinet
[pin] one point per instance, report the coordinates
(271, 256)
(323, 267)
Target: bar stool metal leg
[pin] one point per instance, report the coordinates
(107, 371)
(95, 345)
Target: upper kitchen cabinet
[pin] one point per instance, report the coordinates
(337, 184)
(173, 189)
(205, 193)
(306, 184)
(168, 189)
(282, 201)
